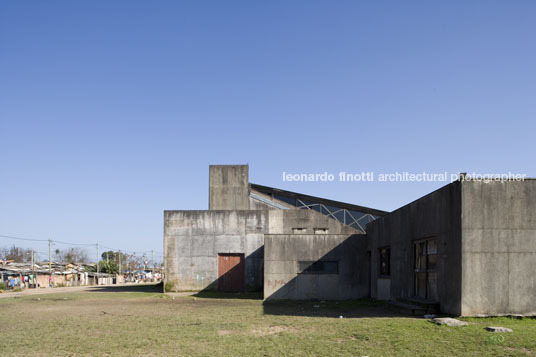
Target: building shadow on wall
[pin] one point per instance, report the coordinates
(207, 294)
(361, 308)
(243, 281)
(321, 290)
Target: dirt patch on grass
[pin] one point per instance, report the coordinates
(260, 331)
(272, 330)
(225, 332)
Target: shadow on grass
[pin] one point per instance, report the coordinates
(224, 295)
(134, 288)
(335, 309)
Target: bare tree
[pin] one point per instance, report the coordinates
(72, 255)
(17, 254)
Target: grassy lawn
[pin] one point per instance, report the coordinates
(136, 323)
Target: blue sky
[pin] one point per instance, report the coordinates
(111, 112)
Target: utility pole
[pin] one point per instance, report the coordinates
(152, 260)
(50, 282)
(98, 269)
(49, 257)
(33, 271)
(107, 257)
(119, 256)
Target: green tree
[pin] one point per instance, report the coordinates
(109, 255)
(118, 258)
(109, 267)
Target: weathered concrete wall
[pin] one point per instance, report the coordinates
(436, 215)
(193, 239)
(284, 222)
(284, 280)
(499, 248)
(228, 187)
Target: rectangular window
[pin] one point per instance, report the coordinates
(321, 231)
(385, 261)
(299, 230)
(425, 252)
(319, 267)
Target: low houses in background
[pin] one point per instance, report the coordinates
(26, 275)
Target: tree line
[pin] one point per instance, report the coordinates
(111, 262)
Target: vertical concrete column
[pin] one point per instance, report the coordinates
(228, 187)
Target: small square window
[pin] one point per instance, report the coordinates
(321, 231)
(299, 230)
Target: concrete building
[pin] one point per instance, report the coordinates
(468, 248)
(225, 247)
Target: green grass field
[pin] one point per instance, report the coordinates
(140, 323)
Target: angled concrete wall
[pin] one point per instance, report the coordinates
(283, 279)
(436, 215)
(258, 205)
(499, 248)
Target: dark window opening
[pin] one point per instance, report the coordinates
(425, 252)
(319, 267)
(385, 261)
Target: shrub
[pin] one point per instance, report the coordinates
(169, 286)
(3, 285)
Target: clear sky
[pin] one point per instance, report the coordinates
(111, 111)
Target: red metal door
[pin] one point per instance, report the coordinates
(231, 272)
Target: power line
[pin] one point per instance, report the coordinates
(30, 239)
(84, 244)
(79, 244)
